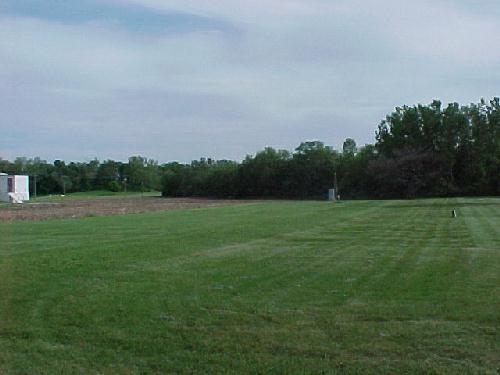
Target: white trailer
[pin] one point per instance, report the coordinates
(14, 189)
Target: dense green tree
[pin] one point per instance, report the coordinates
(107, 173)
(262, 175)
(354, 179)
(464, 139)
(142, 174)
(312, 170)
(422, 150)
(349, 148)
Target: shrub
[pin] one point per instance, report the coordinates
(114, 186)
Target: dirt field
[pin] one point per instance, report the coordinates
(103, 207)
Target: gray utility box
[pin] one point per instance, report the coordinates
(331, 195)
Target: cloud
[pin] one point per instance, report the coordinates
(226, 78)
(132, 17)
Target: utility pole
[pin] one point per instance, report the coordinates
(34, 186)
(335, 185)
(63, 183)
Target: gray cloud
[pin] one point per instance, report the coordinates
(285, 71)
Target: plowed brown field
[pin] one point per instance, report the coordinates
(103, 207)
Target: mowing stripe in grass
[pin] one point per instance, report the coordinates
(305, 287)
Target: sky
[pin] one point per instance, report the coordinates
(184, 79)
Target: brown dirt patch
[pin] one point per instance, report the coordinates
(103, 207)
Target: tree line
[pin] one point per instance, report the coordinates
(420, 151)
(59, 177)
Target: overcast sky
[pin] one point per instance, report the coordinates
(181, 79)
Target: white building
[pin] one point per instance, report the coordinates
(14, 189)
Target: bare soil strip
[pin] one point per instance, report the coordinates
(104, 207)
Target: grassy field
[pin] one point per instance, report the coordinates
(95, 194)
(263, 288)
(86, 195)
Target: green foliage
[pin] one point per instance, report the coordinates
(463, 141)
(114, 186)
(424, 150)
(265, 174)
(142, 174)
(349, 148)
(108, 172)
(421, 151)
(309, 172)
(171, 183)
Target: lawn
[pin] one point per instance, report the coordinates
(94, 194)
(87, 195)
(262, 288)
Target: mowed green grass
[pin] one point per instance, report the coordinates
(86, 195)
(93, 194)
(264, 288)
